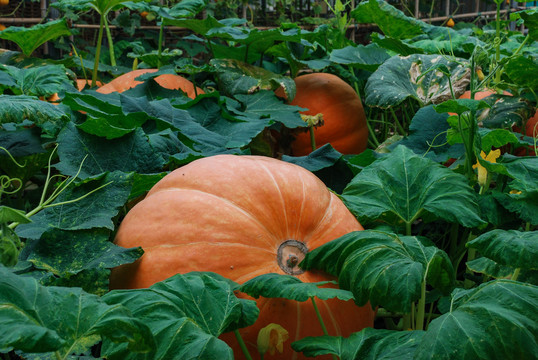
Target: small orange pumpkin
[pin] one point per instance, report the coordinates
(169, 81)
(242, 216)
(2, 27)
(450, 23)
(4, 3)
(344, 119)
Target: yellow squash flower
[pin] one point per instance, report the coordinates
(271, 338)
(482, 172)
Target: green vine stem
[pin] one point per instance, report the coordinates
(312, 137)
(318, 314)
(498, 39)
(110, 43)
(471, 255)
(160, 45)
(421, 307)
(97, 52)
(46, 202)
(242, 344)
(515, 274)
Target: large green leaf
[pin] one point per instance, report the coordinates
(8, 214)
(10, 245)
(207, 299)
(66, 253)
(398, 46)
(18, 108)
(33, 37)
(391, 21)
(427, 136)
(523, 198)
(236, 77)
(519, 68)
(61, 321)
(265, 105)
(490, 268)
(254, 42)
(362, 57)
(368, 344)
(130, 153)
(497, 320)
(290, 287)
(509, 247)
(106, 115)
(37, 80)
(93, 211)
(383, 268)
(530, 18)
(403, 187)
(418, 77)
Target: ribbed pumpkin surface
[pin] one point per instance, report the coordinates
(229, 214)
(168, 81)
(344, 126)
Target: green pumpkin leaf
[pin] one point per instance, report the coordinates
(496, 138)
(178, 339)
(398, 46)
(33, 37)
(530, 18)
(131, 152)
(490, 268)
(368, 344)
(418, 77)
(403, 187)
(291, 288)
(8, 214)
(10, 246)
(319, 159)
(207, 299)
(460, 106)
(382, 268)
(106, 116)
(200, 27)
(523, 197)
(362, 57)
(237, 77)
(66, 253)
(18, 108)
(37, 80)
(495, 321)
(505, 111)
(265, 105)
(519, 68)
(428, 136)
(509, 247)
(38, 319)
(391, 21)
(93, 211)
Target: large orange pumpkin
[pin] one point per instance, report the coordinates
(344, 119)
(242, 216)
(168, 81)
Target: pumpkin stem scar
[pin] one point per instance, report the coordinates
(290, 254)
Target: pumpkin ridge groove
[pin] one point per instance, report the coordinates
(320, 222)
(281, 196)
(229, 202)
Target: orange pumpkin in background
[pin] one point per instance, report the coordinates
(168, 81)
(242, 216)
(344, 119)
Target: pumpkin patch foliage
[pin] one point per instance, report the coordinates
(185, 185)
